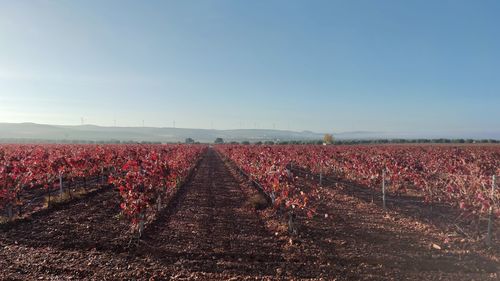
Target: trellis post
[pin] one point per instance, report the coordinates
(60, 184)
(48, 190)
(102, 175)
(490, 217)
(141, 224)
(9, 211)
(383, 188)
(321, 177)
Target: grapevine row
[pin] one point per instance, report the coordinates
(462, 176)
(268, 167)
(142, 173)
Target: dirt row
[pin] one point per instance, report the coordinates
(207, 232)
(354, 239)
(211, 232)
(441, 216)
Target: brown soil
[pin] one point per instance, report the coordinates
(209, 231)
(444, 216)
(36, 200)
(359, 240)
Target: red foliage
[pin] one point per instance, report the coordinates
(142, 173)
(459, 175)
(268, 166)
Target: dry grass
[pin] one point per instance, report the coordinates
(58, 199)
(257, 202)
(3, 220)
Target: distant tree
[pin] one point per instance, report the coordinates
(258, 143)
(328, 139)
(245, 142)
(189, 141)
(219, 141)
(269, 142)
(234, 142)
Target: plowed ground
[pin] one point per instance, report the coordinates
(210, 232)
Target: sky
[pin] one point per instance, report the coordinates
(324, 66)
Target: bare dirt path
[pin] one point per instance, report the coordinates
(206, 232)
(210, 231)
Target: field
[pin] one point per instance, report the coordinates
(247, 212)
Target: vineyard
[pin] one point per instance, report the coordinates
(460, 176)
(143, 174)
(151, 212)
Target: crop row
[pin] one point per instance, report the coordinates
(462, 176)
(144, 174)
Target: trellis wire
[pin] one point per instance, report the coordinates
(357, 187)
(76, 183)
(271, 197)
(491, 216)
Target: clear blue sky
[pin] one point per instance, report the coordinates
(326, 66)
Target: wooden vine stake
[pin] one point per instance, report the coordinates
(9, 211)
(383, 188)
(490, 217)
(141, 224)
(60, 184)
(431, 199)
(19, 206)
(102, 175)
(158, 201)
(321, 177)
(48, 191)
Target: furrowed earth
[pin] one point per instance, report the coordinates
(208, 231)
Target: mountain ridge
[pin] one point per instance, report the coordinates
(89, 132)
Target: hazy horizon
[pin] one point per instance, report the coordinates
(35, 130)
(322, 66)
(145, 126)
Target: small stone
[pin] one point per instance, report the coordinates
(435, 246)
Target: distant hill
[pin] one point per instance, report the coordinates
(360, 135)
(98, 133)
(33, 131)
